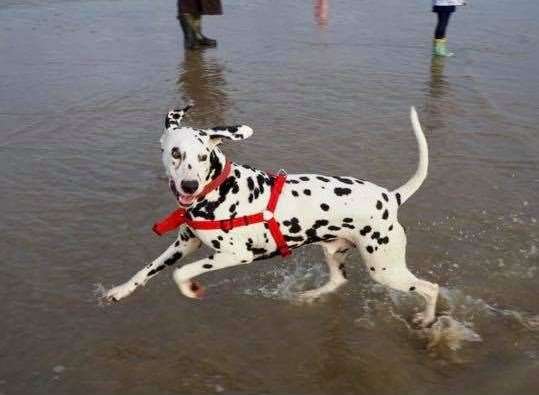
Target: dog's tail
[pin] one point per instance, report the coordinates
(404, 192)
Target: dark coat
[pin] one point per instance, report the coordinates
(200, 7)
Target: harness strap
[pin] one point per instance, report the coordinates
(273, 225)
(180, 216)
(226, 224)
(172, 221)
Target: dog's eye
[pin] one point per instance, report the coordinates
(202, 158)
(175, 152)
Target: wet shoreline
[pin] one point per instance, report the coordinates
(84, 86)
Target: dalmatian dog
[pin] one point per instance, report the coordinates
(337, 213)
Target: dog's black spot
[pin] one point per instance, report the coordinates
(173, 259)
(347, 220)
(398, 196)
(384, 196)
(293, 224)
(344, 180)
(365, 230)
(292, 181)
(383, 240)
(303, 178)
(378, 205)
(342, 191)
(250, 183)
(385, 215)
(359, 181)
(375, 235)
(348, 226)
(323, 179)
(177, 243)
(215, 166)
(307, 192)
(207, 266)
(231, 129)
(216, 244)
(370, 249)
(391, 227)
(319, 223)
(156, 270)
(372, 269)
(220, 238)
(324, 207)
(332, 227)
(295, 194)
(258, 251)
(232, 208)
(293, 238)
(237, 173)
(412, 288)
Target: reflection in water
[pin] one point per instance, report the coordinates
(201, 80)
(321, 12)
(438, 97)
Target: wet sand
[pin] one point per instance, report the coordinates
(84, 86)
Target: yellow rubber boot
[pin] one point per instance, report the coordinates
(439, 47)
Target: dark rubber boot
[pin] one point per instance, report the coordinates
(189, 36)
(196, 23)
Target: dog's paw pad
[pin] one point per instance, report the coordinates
(192, 289)
(197, 289)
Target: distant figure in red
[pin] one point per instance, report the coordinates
(321, 12)
(190, 16)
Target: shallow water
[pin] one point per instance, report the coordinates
(83, 89)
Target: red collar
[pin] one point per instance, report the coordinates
(217, 181)
(214, 184)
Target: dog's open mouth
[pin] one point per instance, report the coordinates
(183, 200)
(186, 200)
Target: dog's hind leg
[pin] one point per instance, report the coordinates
(386, 262)
(184, 275)
(335, 252)
(186, 243)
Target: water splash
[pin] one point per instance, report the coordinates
(99, 293)
(285, 282)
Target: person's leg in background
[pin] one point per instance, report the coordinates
(190, 18)
(439, 47)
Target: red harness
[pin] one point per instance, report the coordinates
(180, 216)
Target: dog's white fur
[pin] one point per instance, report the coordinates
(338, 213)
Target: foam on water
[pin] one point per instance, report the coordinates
(99, 292)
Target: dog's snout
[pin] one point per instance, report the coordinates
(189, 186)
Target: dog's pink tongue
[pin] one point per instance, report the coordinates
(186, 200)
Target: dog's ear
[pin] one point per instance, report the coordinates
(220, 133)
(174, 117)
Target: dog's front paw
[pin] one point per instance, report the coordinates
(117, 293)
(192, 289)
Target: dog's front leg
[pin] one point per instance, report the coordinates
(186, 244)
(183, 276)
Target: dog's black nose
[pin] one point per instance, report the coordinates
(189, 186)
